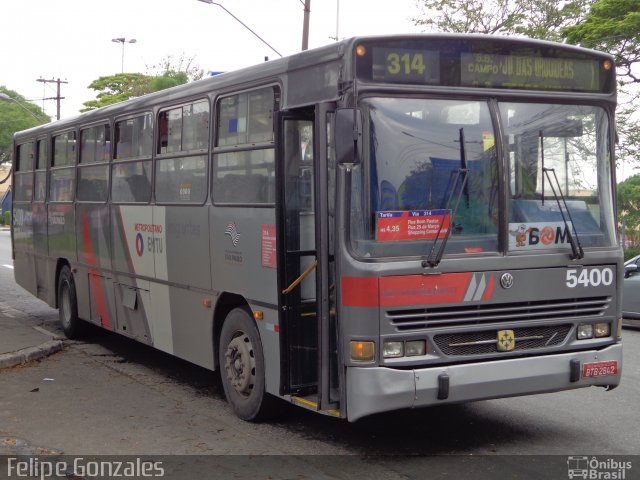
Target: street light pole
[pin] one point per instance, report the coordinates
(241, 23)
(123, 40)
(305, 25)
(7, 98)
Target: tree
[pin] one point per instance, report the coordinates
(614, 26)
(123, 86)
(531, 18)
(15, 115)
(167, 80)
(611, 26)
(118, 88)
(182, 64)
(629, 208)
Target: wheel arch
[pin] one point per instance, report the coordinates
(225, 303)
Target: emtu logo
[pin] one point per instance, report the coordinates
(232, 231)
(139, 244)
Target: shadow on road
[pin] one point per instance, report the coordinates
(451, 429)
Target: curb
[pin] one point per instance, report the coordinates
(20, 357)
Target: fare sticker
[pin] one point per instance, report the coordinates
(394, 226)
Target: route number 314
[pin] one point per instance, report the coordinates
(406, 64)
(589, 277)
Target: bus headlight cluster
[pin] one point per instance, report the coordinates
(596, 330)
(410, 348)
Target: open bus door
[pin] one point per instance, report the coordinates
(308, 346)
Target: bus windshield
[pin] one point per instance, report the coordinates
(433, 174)
(556, 152)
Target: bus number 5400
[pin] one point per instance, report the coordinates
(589, 277)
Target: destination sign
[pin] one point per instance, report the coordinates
(483, 63)
(518, 71)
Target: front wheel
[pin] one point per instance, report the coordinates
(68, 304)
(242, 368)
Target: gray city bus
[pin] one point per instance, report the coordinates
(381, 223)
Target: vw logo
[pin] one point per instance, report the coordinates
(506, 280)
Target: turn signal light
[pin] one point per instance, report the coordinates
(363, 351)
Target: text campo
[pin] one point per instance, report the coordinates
(523, 67)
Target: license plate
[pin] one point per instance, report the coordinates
(600, 369)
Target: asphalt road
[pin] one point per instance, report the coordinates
(110, 395)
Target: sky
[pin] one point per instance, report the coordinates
(72, 39)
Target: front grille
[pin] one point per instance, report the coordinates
(465, 315)
(457, 344)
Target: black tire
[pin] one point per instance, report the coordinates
(72, 326)
(242, 368)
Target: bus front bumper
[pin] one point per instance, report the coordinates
(380, 389)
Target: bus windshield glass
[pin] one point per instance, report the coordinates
(432, 175)
(556, 152)
(426, 157)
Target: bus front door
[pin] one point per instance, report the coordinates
(301, 279)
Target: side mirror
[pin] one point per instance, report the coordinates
(630, 270)
(348, 135)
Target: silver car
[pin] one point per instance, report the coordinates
(631, 292)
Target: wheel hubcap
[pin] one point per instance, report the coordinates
(240, 364)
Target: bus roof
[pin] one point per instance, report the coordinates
(273, 71)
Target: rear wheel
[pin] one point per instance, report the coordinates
(68, 304)
(242, 368)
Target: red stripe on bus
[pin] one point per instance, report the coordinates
(489, 290)
(423, 289)
(360, 291)
(94, 278)
(406, 290)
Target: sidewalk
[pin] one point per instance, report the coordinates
(20, 342)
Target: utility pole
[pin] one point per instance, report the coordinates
(305, 25)
(57, 98)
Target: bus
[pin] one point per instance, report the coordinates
(383, 223)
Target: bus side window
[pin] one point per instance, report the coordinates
(244, 171)
(24, 172)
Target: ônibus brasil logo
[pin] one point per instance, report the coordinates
(596, 468)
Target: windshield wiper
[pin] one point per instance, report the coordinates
(434, 257)
(576, 247)
(463, 163)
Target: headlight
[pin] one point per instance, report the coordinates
(393, 349)
(416, 348)
(585, 331)
(602, 330)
